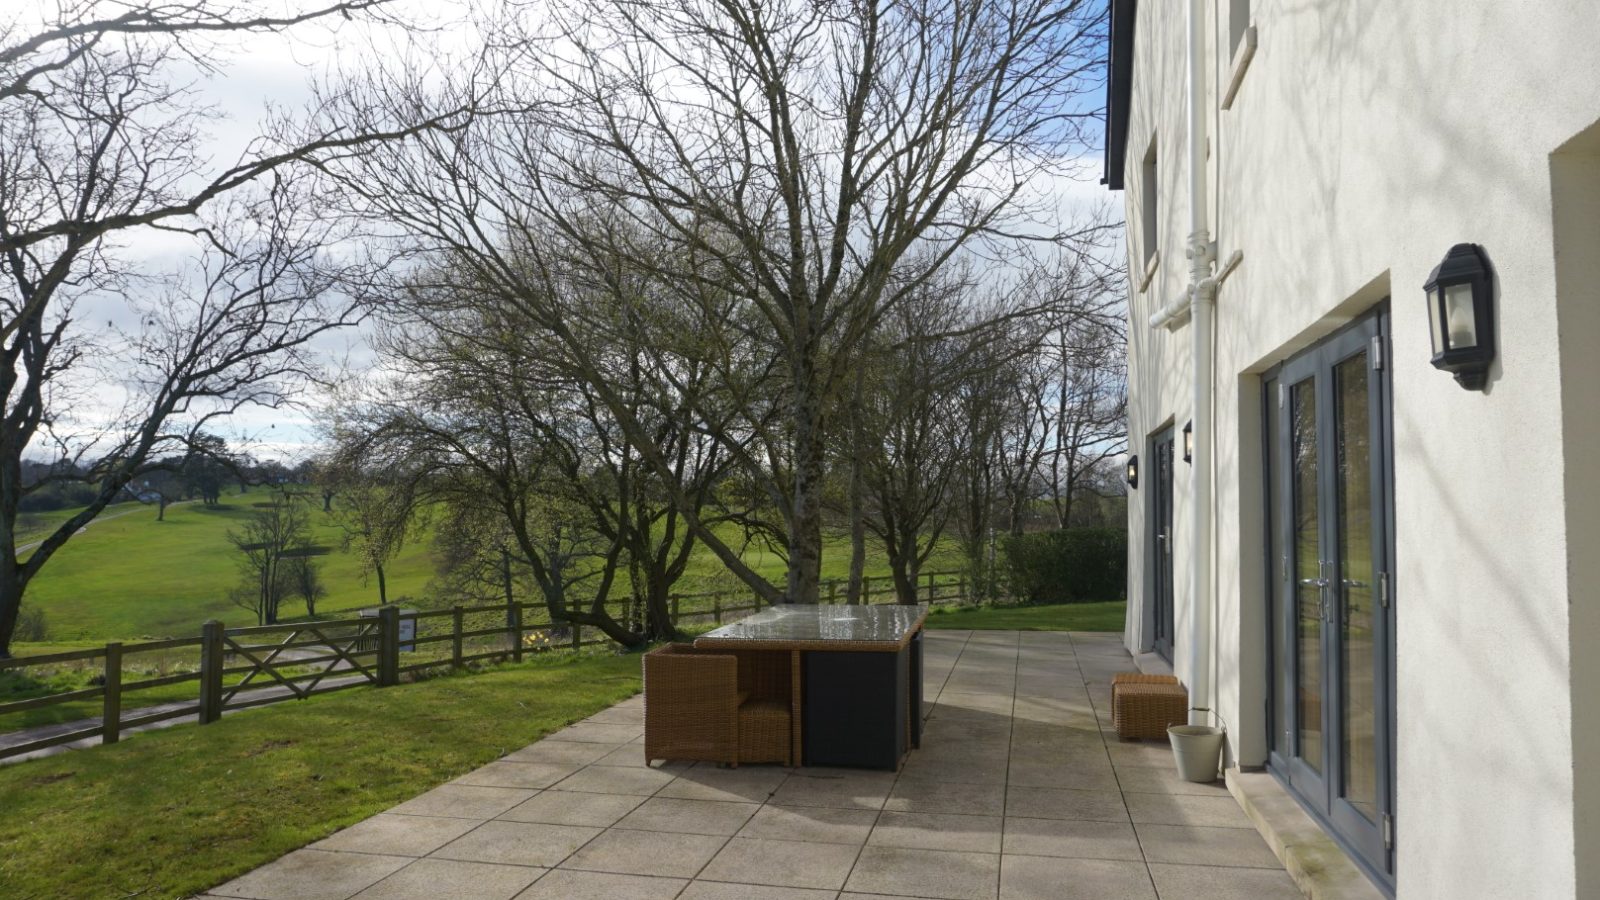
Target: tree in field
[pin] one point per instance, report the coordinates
(101, 141)
(377, 512)
(786, 174)
(269, 542)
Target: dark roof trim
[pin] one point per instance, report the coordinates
(1119, 90)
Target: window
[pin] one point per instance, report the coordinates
(1148, 195)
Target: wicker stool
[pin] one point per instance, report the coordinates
(1142, 706)
(764, 732)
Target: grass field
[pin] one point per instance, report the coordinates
(170, 813)
(133, 577)
(1108, 616)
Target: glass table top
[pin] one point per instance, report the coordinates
(890, 624)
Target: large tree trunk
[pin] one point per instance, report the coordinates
(10, 598)
(383, 587)
(858, 515)
(805, 528)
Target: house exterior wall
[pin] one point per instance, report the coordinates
(1366, 138)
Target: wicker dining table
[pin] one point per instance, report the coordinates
(856, 677)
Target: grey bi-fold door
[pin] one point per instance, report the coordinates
(1330, 514)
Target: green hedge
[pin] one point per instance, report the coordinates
(1073, 565)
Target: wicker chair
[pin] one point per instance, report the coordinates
(1142, 706)
(716, 706)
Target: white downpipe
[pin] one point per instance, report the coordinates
(1202, 288)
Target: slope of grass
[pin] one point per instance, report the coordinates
(170, 813)
(1107, 616)
(133, 576)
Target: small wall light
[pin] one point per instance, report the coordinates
(1188, 442)
(1461, 315)
(1133, 472)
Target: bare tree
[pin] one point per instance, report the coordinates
(101, 139)
(268, 542)
(790, 156)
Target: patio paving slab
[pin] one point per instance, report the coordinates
(926, 873)
(1020, 792)
(573, 808)
(396, 835)
(566, 884)
(517, 843)
(801, 864)
(313, 875)
(445, 879)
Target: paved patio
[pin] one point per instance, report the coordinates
(1016, 794)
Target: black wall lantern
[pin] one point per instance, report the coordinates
(1133, 472)
(1188, 442)
(1461, 315)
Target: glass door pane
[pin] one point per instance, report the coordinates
(1306, 536)
(1358, 749)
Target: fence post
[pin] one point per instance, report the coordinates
(514, 612)
(455, 636)
(675, 599)
(388, 646)
(833, 592)
(716, 608)
(866, 590)
(111, 721)
(930, 587)
(211, 658)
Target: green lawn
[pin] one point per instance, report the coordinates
(173, 812)
(1107, 616)
(134, 577)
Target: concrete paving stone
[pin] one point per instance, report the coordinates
(811, 823)
(633, 755)
(1054, 803)
(570, 884)
(1183, 809)
(397, 835)
(926, 873)
(1166, 780)
(517, 843)
(717, 890)
(1076, 772)
(1074, 838)
(1054, 878)
(937, 831)
(596, 733)
(448, 879)
(747, 783)
(657, 853)
(839, 787)
(621, 714)
(800, 864)
(1200, 846)
(465, 801)
(1138, 754)
(934, 796)
(689, 816)
(561, 752)
(502, 773)
(313, 875)
(956, 769)
(573, 808)
(616, 780)
(1223, 883)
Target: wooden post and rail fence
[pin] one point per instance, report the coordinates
(243, 667)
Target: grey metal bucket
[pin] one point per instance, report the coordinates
(1198, 749)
